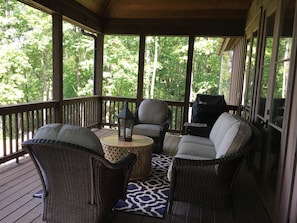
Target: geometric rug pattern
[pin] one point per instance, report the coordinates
(149, 196)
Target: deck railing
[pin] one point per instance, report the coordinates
(112, 105)
(82, 111)
(19, 122)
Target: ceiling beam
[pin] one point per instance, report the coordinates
(71, 10)
(198, 27)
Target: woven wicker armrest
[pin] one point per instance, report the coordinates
(165, 127)
(191, 169)
(117, 174)
(126, 162)
(192, 172)
(205, 182)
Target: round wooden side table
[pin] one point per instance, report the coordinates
(141, 146)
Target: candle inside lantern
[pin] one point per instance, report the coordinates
(128, 132)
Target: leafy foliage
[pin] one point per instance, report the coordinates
(25, 57)
(26, 61)
(165, 67)
(120, 65)
(206, 66)
(78, 63)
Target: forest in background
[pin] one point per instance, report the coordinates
(26, 61)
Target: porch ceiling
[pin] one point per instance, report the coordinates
(154, 17)
(198, 17)
(168, 9)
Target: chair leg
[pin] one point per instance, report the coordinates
(232, 213)
(110, 217)
(158, 146)
(170, 207)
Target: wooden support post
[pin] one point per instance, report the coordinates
(140, 69)
(58, 64)
(188, 77)
(99, 50)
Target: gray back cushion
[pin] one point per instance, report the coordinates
(220, 128)
(229, 134)
(70, 134)
(152, 111)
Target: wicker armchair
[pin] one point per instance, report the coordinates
(79, 184)
(208, 182)
(152, 119)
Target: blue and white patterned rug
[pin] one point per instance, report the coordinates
(149, 196)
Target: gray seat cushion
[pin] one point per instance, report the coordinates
(199, 150)
(190, 148)
(196, 139)
(148, 130)
(70, 134)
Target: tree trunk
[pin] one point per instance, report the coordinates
(154, 68)
(147, 59)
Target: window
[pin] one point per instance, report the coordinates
(78, 62)
(120, 65)
(225, 74)
(25, 54)
(266, 63)
(165, 67)
(250, 71)
(279, 93)
(206, 66)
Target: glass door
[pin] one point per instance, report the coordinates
(249, 77)
(262, 114)
(272, 93)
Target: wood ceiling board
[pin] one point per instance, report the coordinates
(199, 17)
(97, 6)
(176, 14)
(184, 4)
(167, 8)
(200, 27)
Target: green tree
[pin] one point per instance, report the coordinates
(206, 66)
(78, 62)
(165, 67)
(225, 74)
(25, 47)
(37, 45)
(120, 65)
(26, 61)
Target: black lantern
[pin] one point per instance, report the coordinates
(125, 124)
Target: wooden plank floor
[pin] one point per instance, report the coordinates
(18, 182)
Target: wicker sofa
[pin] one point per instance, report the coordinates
(204, 168)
